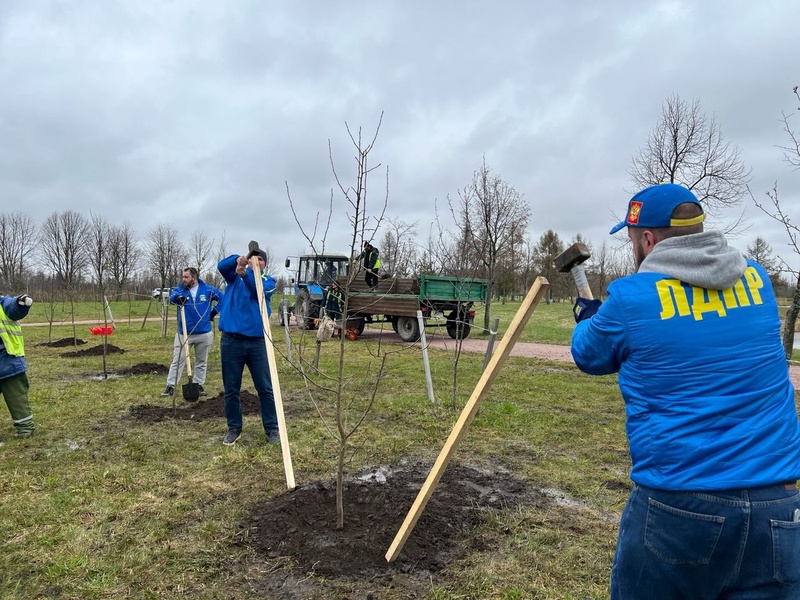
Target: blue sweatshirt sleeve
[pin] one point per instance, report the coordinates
(14, 311)
(227, 267)
(178, 292)
(598, 343)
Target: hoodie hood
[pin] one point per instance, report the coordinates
(701, 259)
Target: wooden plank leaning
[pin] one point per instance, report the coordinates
(273, 371)
(468, 413)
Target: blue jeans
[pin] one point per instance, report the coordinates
(733, 545)
(235, 353)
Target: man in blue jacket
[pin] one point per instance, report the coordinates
(242, 343)
(711, 418)
(13, 380)
(199, 301)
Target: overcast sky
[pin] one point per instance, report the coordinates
(199, 114)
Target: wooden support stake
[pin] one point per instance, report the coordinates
(273, 371)
(484, 383)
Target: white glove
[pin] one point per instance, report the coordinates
(24, 300)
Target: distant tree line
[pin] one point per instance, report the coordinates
(86, 256)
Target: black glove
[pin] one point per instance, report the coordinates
(181, 300)
(24, 300)
(213, 315)
(585, 309)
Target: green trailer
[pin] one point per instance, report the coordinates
(394, 300)
(397, 301)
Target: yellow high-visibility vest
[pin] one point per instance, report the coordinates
(11, 334)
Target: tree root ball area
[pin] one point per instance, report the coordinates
(301, 524)
(295, 532)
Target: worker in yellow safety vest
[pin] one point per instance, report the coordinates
(13, 380)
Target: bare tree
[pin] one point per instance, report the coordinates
(687, 147)
(791, 154)
(123, 255)
(492, 214)
(63, 245)
(165, 253)
(398, 249)
(99, 248)
(166, 257)
(200, 250)
(17, 242)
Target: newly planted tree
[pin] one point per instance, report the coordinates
(353, 387)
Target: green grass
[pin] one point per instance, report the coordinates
(98, 505)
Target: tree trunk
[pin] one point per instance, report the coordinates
(340, 485)
(789, 322)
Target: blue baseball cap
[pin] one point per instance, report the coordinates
(653, 206)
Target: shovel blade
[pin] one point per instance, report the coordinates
(191, 391)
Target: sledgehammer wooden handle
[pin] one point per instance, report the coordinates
(484, 383)
(571, 260)
(579, 277)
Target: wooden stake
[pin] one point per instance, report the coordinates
(503, 350)
(273, 371)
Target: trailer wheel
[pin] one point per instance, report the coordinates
(408, 329)
(457, 328)
(305, 311)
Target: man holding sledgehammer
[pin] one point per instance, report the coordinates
(242, 343)
(711, 418)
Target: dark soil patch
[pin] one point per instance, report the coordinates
(145, 369)
(64, 343)
(210, 408)
(301, 525)
(94, 351)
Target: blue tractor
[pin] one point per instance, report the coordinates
(314, 274)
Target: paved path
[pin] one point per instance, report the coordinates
(524, 349)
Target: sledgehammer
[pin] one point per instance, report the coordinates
(570, 260)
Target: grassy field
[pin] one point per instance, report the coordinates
(98, 505)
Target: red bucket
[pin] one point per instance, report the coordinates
(101, 330)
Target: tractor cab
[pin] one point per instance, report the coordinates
(313, 275)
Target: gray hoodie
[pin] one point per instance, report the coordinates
(700, 259)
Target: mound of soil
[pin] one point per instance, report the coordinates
(302, 524)
(63, 343)
(94, 351)
(145, 369)
(210, 408)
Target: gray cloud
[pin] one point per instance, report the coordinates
(198, 113)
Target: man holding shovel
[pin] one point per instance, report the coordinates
(198, 301)
(242, 343)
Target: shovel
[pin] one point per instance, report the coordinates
(191, 390)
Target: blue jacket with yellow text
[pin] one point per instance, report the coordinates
(708, 399)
